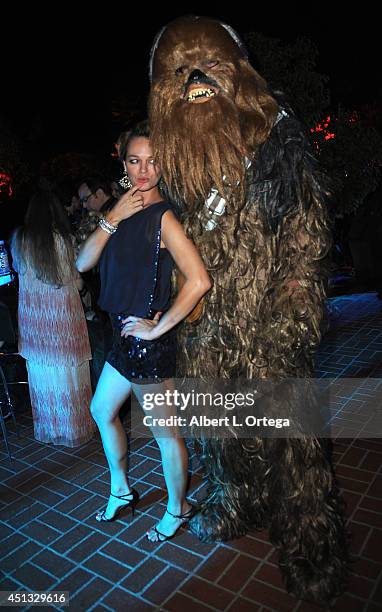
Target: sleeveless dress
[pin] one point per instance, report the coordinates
(53, 338)
(136, 280)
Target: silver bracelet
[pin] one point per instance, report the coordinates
(106, 226)
(111, 226)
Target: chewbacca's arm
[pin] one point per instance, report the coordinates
(299, 283)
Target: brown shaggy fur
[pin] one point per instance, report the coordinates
(263, 316)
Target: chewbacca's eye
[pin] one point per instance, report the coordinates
(180, 70)
(211, 63)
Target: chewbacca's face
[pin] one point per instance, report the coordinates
(207, 108)
(196, 61)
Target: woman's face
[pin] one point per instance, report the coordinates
(140, 164)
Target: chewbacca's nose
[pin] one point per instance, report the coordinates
(196, 76)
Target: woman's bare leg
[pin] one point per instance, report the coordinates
(111, 393)
(174, 459)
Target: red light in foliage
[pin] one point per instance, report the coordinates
(5, 185)
(323, 127)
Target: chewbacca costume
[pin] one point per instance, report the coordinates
(256, 207)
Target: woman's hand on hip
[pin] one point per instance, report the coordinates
(140, 328)
(128, 205)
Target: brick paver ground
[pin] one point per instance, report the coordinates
(49, 539)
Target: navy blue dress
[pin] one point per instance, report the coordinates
(136, 280)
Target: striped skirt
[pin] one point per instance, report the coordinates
(60, 399)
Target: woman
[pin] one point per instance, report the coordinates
(136, 245)
(53, 335)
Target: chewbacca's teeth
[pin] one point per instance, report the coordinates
(198, 93)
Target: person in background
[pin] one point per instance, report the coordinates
(66, 191)
(95, 196)
(53, 335)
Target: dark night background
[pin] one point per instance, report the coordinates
(64, 71)
(58, 92)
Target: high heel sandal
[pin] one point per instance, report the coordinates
(100, 517)
(187, 516)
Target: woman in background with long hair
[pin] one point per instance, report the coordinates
(53, 335)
